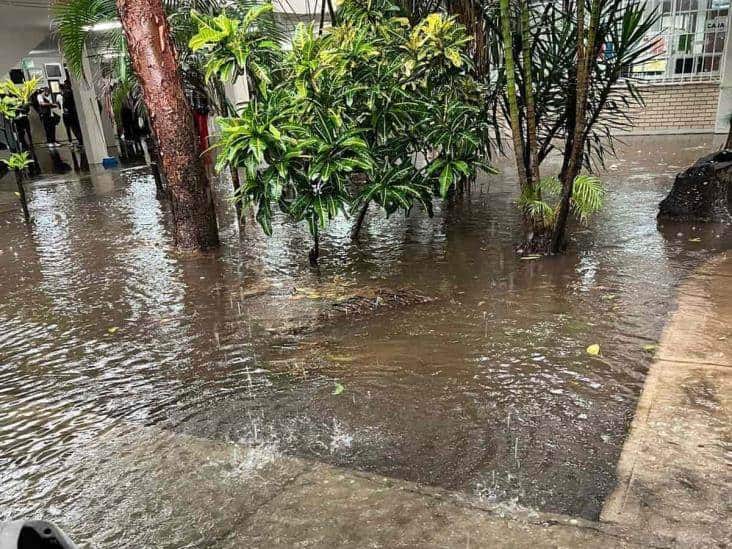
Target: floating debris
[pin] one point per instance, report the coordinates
(375, 301)
(341, 358)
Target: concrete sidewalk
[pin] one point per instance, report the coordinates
(674, 471)
(152, 488)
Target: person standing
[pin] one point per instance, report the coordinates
(49, 118)
(22, 127)
(70, 114)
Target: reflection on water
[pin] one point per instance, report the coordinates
(486, 390)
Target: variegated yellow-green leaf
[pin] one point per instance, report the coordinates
(454, 57)
(338, 389)
(593, 350)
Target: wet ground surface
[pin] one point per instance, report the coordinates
(485, 390)
(674, 468)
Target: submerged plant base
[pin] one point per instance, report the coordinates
(535, 244)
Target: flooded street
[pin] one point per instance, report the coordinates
(485, 390)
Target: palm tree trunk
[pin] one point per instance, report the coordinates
(573, 157)
(155, 62)
(728, 144)
(510, 68)
(527, 159)
(537, 237)
(532, 138)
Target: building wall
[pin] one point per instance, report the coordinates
(677, 108)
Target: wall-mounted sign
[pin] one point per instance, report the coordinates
(717, 24)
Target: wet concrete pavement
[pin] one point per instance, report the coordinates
(674, 471)
(225, 495)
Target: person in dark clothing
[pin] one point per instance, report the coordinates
(49, 118)
(130, 128)
(70, 114)
(22, 127)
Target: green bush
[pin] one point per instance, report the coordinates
(374, 110)
(18, 161)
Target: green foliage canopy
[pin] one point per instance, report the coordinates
(375, 110)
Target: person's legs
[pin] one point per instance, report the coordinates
(55, 119)
(73, 127)
(76, 128)
(50, 129)
(67, 124)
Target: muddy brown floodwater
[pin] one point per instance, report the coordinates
(485, 389)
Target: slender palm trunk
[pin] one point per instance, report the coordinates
(728, 144)
(573, 157)
(513, 108)
(527, 157)
(21, 194)
(155, 62)
(532, 139)
(537, 238)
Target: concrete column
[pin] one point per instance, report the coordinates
(238, 93)
(90, 118)
(724, 108)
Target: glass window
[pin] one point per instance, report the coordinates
(688, 40)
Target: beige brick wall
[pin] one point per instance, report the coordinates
(680, 107)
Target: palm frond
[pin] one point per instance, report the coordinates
(73, 21)
(534, 206)
(588, 196)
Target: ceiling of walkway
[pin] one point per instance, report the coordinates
(23, 25)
